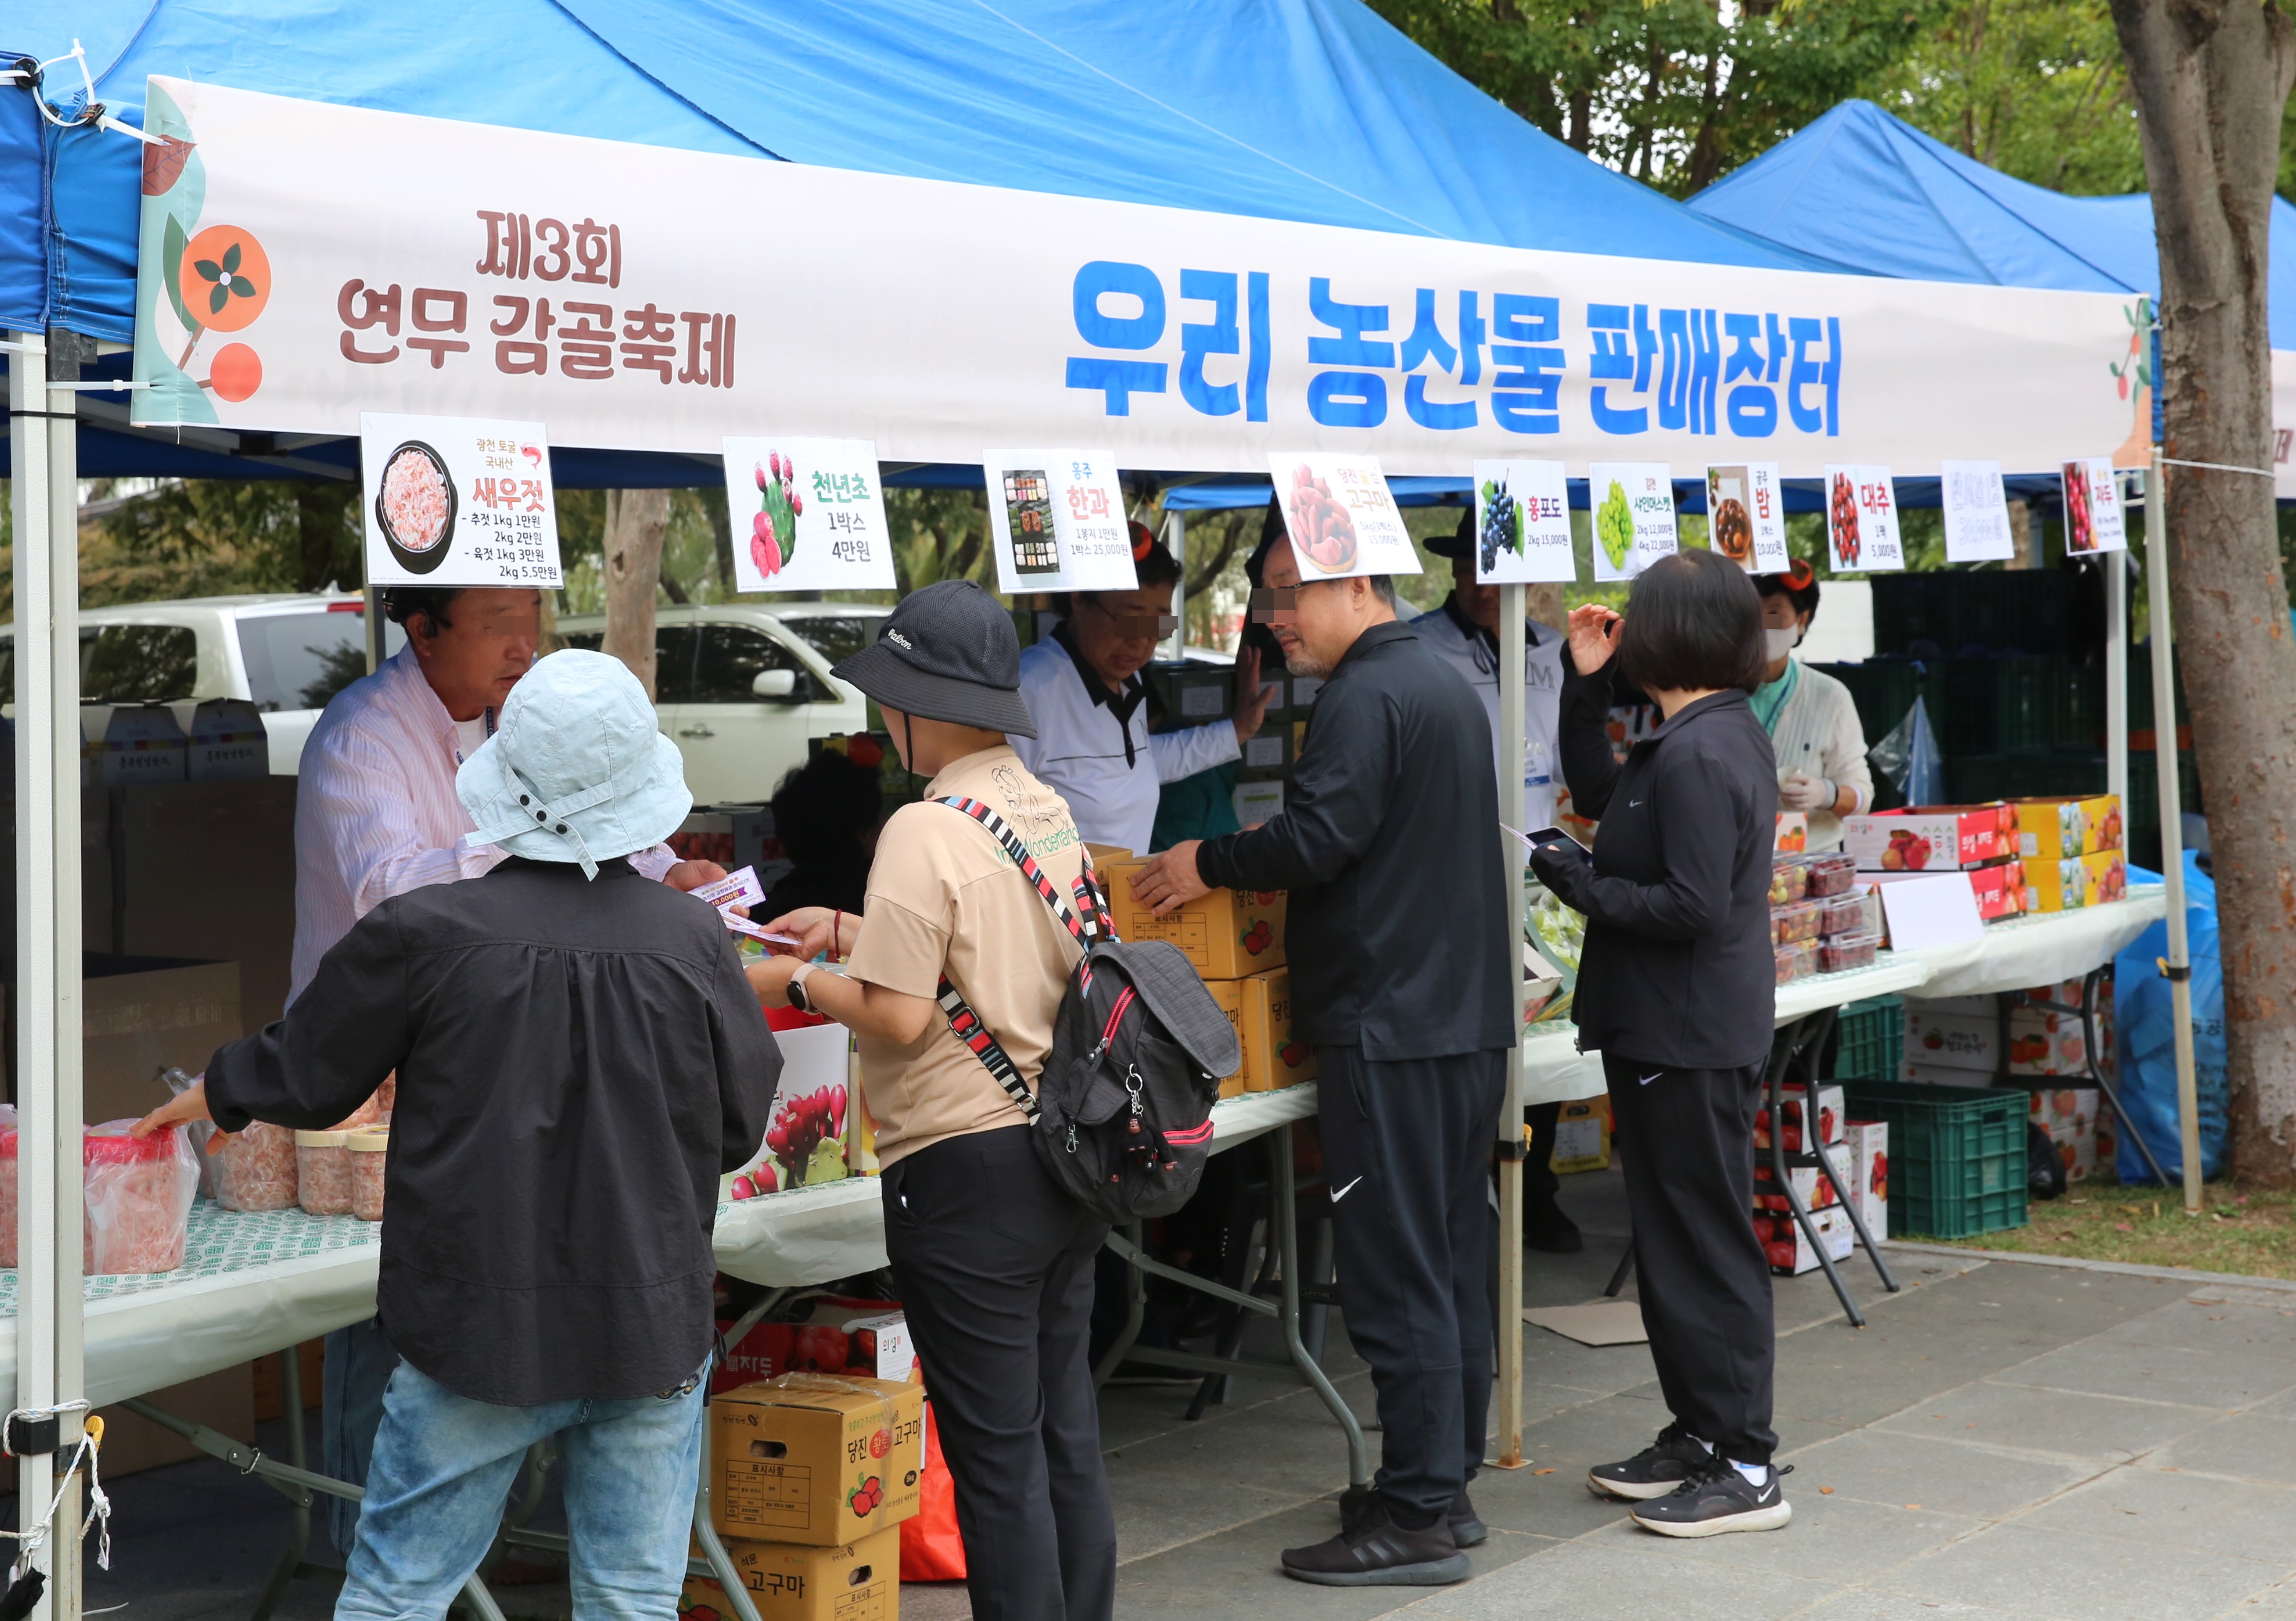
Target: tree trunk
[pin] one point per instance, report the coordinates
(721, 530)
(2211, 78)
(318, 530)
(636, 520)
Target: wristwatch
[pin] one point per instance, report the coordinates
(795, 989)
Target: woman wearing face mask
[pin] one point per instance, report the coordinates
(1811, 716)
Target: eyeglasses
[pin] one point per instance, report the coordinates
(1276, 605)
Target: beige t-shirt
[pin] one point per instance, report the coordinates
(945, 898)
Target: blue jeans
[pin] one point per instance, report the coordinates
(443, 1465)
(359, 1361)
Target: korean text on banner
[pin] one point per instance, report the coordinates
(1522, 523)
(457, 501)
(1340, 517)
(1746, 516)
(2093, 519)
(1058, 517)
(1634, 516)
(816, 517)
(1976, 512)
(1861, 519)
(385, 270)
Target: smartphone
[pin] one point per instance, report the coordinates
(1550, 835)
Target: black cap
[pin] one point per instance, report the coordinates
(947, 652)
(1459, 545)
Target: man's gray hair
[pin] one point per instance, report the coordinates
(1382, 586)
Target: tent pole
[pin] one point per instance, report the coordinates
(48, 1365)
(1506, 1333)
(2116, 678)
(2172, 825)
(1176, 541)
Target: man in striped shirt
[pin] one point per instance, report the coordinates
(376, 815)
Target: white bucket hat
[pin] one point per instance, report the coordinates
(579, 770)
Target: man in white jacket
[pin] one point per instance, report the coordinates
(1086, 692)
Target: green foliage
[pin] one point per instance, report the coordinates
(216, 537)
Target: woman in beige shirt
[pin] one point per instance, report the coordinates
(993, 1261)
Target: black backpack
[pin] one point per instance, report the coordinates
(1121, 1116)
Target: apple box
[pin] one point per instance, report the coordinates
(1927, 838)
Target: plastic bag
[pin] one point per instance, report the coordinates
(2044, 1168)
(1909, 758)
(137, 1194)
(931, 1549)
(197, 1131)
(255, 1169)
(2144, 1016)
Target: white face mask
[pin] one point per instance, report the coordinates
(1778, 643)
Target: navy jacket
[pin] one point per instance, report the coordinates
(1397, 928)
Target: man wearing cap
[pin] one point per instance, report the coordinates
(1464, 633)
(993, 1261)
(1092, 745)
(580, 1059)
(376, 815)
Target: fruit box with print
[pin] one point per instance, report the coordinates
(1260, 1008)
(1815, 1190)
(813, 1458)
(1225, 935)
(858, 1582)
(2055, 830)
(2077, 881)
(2080, 1122)
(870, 1337)
(1929, 838)
(1830, 1116)
(1789, 1249)
(1867, 1144)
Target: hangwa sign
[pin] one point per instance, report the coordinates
(302, 263)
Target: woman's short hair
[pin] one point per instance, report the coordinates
(1797, 584)
(1693, 621)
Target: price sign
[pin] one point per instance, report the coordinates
(808, 515)
(457, 501)
(1522, 523)
(1976, 512)
(2095, 519)
(1861, 519)
(1057, 516)
(1746, 516)
(1633, 503)
(1340, 516)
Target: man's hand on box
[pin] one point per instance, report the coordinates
(1170, 881)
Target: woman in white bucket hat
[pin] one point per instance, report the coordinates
(580, 1059)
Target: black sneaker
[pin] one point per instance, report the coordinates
(1653, 1472)
(1715, 1499)
(1377, 1552)
(1467, 1528)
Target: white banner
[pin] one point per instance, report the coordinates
(1522, 523)
(2093, 519)
(816, 517)
(1057, 518)
(1976, 513)
(651, 299)
(1861, 520)
(1340, 517)
(457, 501)
(1746, 516)
(1633, 508)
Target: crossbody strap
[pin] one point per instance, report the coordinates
(967, 1024)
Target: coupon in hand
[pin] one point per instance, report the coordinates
(740, 888)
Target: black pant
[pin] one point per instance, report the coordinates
(1407, 1153)
(1686, 1140)
(1540, 1184)
(993, 1265)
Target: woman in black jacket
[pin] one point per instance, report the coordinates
(1677, 989)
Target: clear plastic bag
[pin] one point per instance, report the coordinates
(255, 1168)
(137, 1194)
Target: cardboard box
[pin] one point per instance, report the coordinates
(2046, 1044)
(1225, 935)
(2076, 881)
(1192, 693)
(867, 1338)
(1940, 1074)
(818, 1461)
(1815, 1192)
(1868, 1144)
(859, 1581)
(1789, 1249)
(1926, 838)
(1966, 1042)
(1582, 1136)
(1830, 1116)
(2078, 1120)
(2054, 829)
(1273, 1058)
(1999, 887)
(1256, 802)
(1269, 752)
(807, 1133)
(1227, 995)
(143, 1015)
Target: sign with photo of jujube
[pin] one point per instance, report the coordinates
(1340, 517)
(1057, 516)
(1522, 523)
(1633, 504)
(457, 501)
(2095, 521)
(808, 515)
(1861, 519)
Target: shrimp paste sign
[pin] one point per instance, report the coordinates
(457, 501)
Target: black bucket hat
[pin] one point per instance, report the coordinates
(947, 652)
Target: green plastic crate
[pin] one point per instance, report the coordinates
(1956, 1155)
(1870, 1040)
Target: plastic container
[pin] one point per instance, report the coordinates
(322, 1173)
(1870, 1040)
(255, 1169)
(1831, 872)
(1789, 878)
(1795, 920)
(1857, 912)
(1839, 951)
(369, 1154)
(137, 1193)
(1957, 1163)
(227, 743)
(1798, 961)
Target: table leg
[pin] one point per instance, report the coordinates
(1136, 1311)
(1284, 1217)
(298, 1522)
(721, 1563)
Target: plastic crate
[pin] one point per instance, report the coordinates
(1870, 1040)
(1956, 1155)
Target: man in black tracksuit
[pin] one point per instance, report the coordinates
(1399, 936)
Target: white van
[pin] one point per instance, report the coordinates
(740, 687)
(288, 653)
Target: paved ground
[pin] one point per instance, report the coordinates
(2003, 1440)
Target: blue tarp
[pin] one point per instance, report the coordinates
(1304, 109)
(1866, 190)
(2143, 1015)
